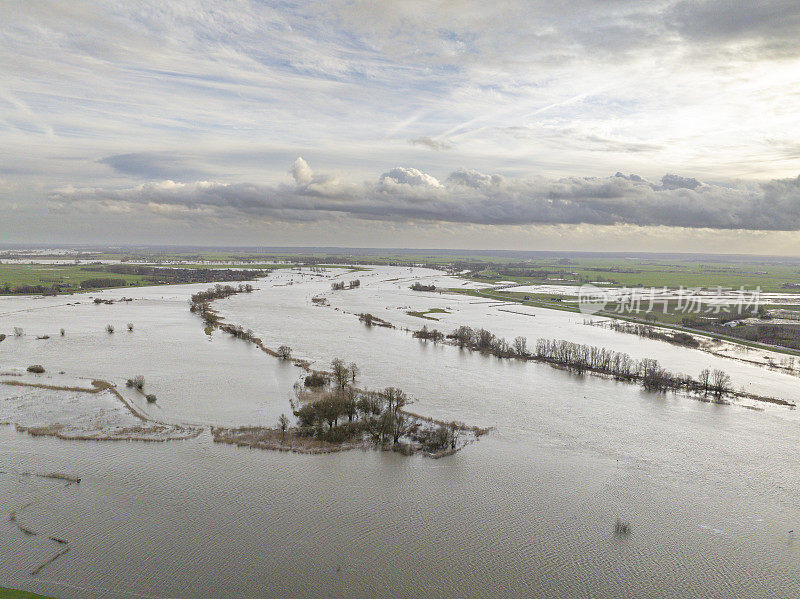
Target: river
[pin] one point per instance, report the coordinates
(710, 491)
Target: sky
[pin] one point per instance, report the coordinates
(600, 125)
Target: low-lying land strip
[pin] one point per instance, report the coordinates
(98, 413)
(426, 313)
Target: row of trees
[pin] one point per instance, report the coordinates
(199, 303)
(583, 357)
(486, 341)
(340, 285)
(620, 365)
(417, 286)
(219, 291)
(427, 334)
(101, 283)
(372, 320)
(54, 289)
(238, 331)
(156, 274)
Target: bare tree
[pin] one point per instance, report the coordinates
(354, 371)
(720, 383)
(349, 403)
(18, 332)
(463, 335)
(109, 328)
(521, 346)
(485, 340)
(704, 379)
(340, 372)
(400, 426)
(285, 352)
(330, 409)
(283, 424)
(395, 399)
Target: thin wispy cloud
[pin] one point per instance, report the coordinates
(428, 111)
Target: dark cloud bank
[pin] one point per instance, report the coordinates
(468, 196)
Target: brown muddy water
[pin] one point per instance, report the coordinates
(710, 491)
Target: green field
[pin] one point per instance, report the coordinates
(71, 278)
(12, 594)
(621, 272)
(69, 275)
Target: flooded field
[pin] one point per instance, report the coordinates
(709, 491)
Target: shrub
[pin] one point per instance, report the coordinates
(151, 398)
(36, 368)
(136, 382)
(621, 527)
(420, 287)
(130, 326)
(343, 433)
(109, 328)
(316, 379)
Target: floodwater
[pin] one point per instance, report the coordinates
(710, 491)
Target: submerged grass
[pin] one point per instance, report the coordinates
(424, 314)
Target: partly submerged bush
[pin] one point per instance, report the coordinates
(316, 379)
(136, 382)
(621, 527)
(36, 368)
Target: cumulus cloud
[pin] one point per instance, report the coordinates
(301, 172)
(468, 196)
(408, 176)
(473, 178)
(677, 182)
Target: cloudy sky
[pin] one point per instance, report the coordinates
(579, 124)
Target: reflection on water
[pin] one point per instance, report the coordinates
(710, 491)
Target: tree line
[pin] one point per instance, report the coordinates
(340, 285)
(417, 286)
(160, 274)
(199, 303)
(582, 357)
